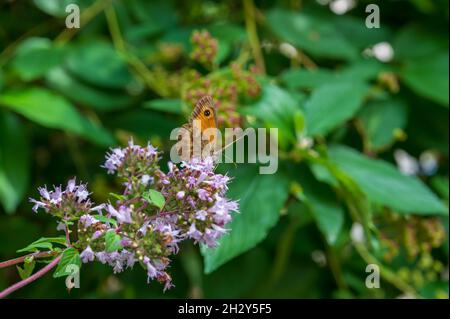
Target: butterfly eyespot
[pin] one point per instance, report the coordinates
(207, 113)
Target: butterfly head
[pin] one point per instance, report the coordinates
(205, 112)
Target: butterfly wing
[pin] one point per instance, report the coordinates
(205, 112)
(203, 117)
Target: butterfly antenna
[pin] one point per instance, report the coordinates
(231, 143)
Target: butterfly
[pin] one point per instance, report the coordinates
(198, 137)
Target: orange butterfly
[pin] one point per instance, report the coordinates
(198, 137)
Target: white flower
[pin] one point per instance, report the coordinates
(383, 51)
(288, 50)
(357, 233)
(341, 6)
(407, 164)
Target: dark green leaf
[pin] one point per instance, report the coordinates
(14, 161)
(99, 64)
(327, 212)
(385, 185)
(101, 100)
(276, 108)
(428, 76)
(380, 121)
(261, 198)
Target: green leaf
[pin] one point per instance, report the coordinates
(440, 185)
(315, 34)
(361, 70)
(385, 185)
(332, 104)
(321, 201)
(307, 79)
(276, 108)
(405, 43)
(97, 63)
(428, 76)
(53, 111)
(118, 196)
(28, 267)
(14, 161)
(105, 219)
(380, 120)
(69, 257)
(35, 57)
(166, 105)
(261, 198)
(112, 241)
(154, 197)
(360, 37)
(61, 81)
(57, 8)
(44, 243)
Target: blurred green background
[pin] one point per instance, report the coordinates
(362, 115)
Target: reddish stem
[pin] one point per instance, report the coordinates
(30, 279)
(18, 260)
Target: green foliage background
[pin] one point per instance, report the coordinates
(66, 96)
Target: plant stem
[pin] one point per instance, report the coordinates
(335, 267)
(18, 260)
(119, 43)
(385, 272)
(284, 250)
(30, 279)
(87, 15)
(250, 23)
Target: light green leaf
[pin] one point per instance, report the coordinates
(105, 219)
(44, 243)
(57, 8)
(112, 241)
(28, 267)
(69, 257)
(314, 34)
(165, 105)
(332, 104)
(154, 197)
(385, 185)
(261, 198)
(53, 111)
(308, 79)
(14, 161)
(35, 57)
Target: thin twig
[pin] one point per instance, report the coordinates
(30, 279)
(250, 23)
(19, 260)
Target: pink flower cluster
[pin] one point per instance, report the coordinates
(136, 229)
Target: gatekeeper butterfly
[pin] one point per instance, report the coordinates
(198, 137)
